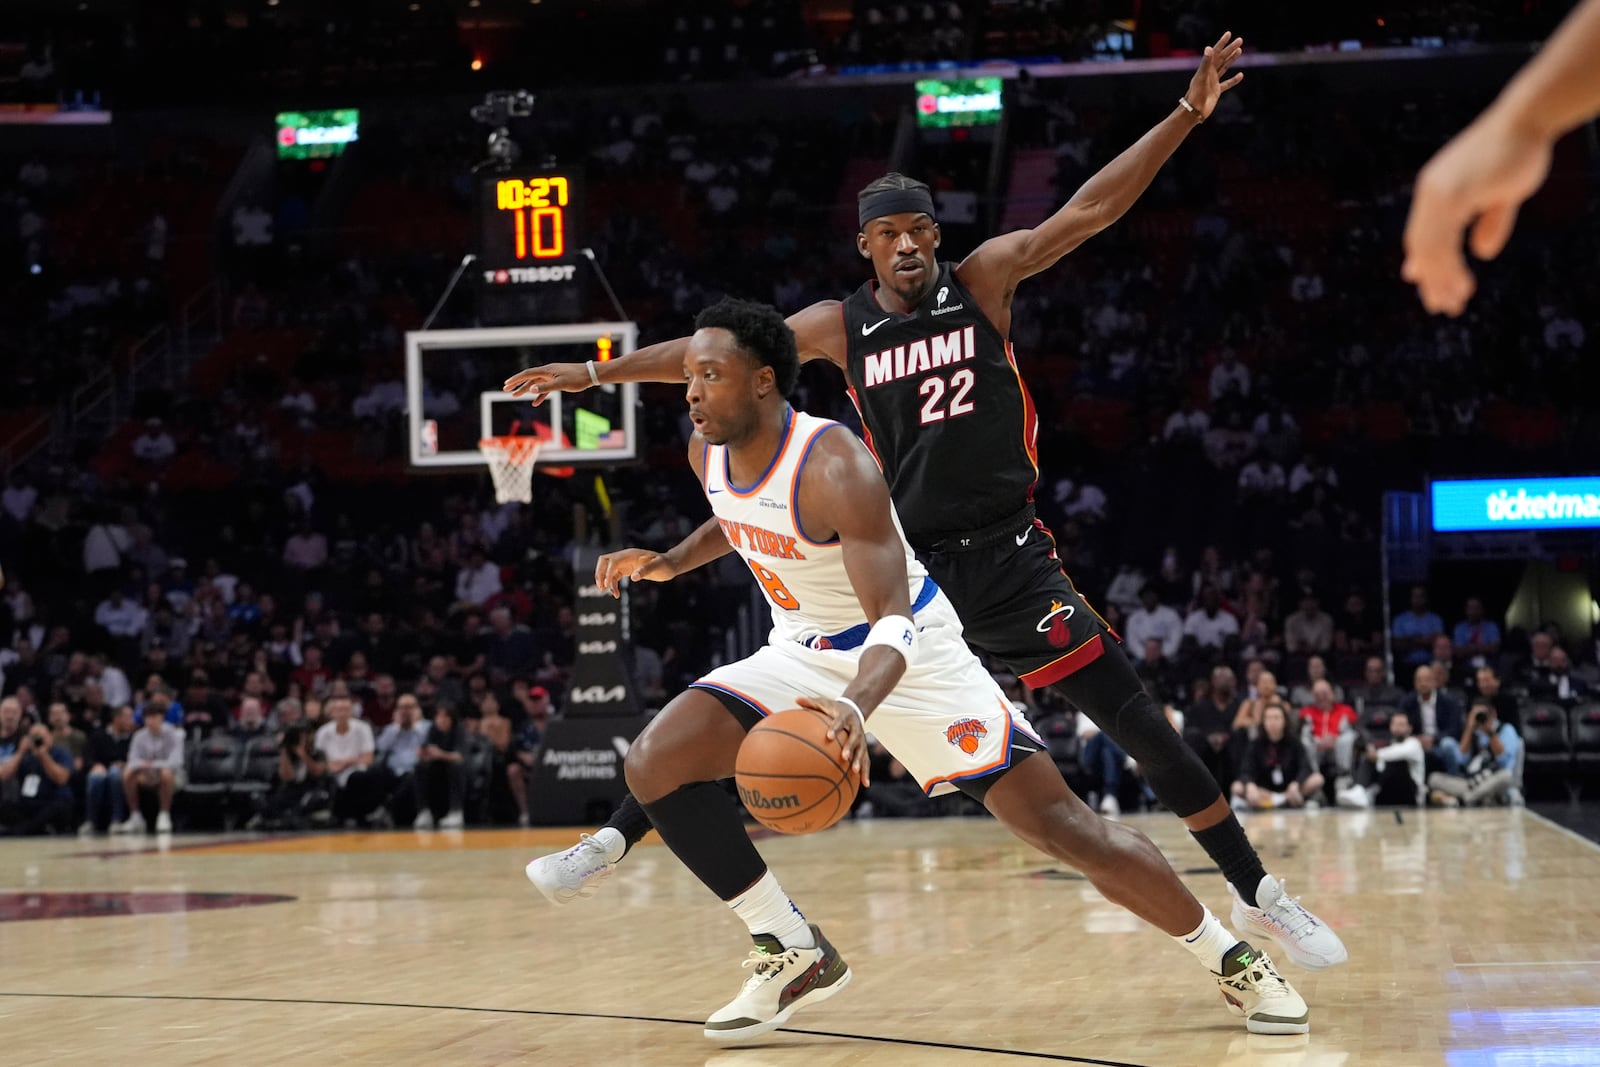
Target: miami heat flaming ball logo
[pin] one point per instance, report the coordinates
(1054, 623)
(965, 734)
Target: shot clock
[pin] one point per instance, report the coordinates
(530, 227)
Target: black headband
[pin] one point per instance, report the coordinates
(894, 202)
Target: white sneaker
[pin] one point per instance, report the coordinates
(1240, 805)
(1306, 939)
(452, 821)
(1354, 797)
(522, 821)
(1313, 804)
(163, 823)
(423, 821)
(1515, 798)
(1109, 805)
(133, 824)
(86, 829)
(574, 874)
(785, 980)
(1256, 991)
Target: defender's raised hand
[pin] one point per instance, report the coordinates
(639, 564)
(549, 378)
(1211, 80)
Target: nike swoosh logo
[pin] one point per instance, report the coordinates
(865, 329)
(710, 491)
(1023, 536)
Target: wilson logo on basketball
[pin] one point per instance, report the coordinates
(755, 800)
(1054, 623)
(966, 734)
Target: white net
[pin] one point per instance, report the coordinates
(511, 461)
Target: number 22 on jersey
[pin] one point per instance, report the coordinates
(933, 389)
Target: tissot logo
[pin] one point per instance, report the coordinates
(597, 618)
(596, 648)
(598, 694)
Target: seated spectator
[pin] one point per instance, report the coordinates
(1333, 729)
(1375, 688)
(347, 744)
(1437, 717)
(1210, 624)
(1153, 619)
(1103, 761)
(523, 758)
(121, 617)
(1356, 630)
(106, 758)
(301, 793)
(1489, 750)
(154, 444)
(510, 646)
(1275, 772)
(1392, 774)
(1532, 670)
(440, 768)
(65, 735)
(1208, 725)
(398, 748)
(1308, 631)
(1162, 677)
(1556, 681)
(250, 722)
(477, 581)
(1489, 690)
(1316, 671)
(1415, 629)
(155, 763)
(35, 776)
(1448, 670)
(1477, 639)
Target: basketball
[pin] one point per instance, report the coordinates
(790, 776)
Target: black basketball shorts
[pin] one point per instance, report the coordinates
(1017, 604)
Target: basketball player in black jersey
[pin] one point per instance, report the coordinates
(925, 351)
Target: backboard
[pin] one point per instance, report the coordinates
(454, 396)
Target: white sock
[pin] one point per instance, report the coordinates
(1209, 941)
(767, 909)
(612, 840)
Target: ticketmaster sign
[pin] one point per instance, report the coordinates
(1516, 504)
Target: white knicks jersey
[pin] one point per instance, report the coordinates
(804, 580)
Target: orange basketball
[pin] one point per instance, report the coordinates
(790, 775)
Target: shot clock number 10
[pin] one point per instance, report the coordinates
(537, 208)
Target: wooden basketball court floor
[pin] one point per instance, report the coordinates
(1474, 939)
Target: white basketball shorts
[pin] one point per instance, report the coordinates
(947, 720)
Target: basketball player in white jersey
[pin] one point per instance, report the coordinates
(861, 633)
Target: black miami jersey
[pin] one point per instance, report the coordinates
(944, 410)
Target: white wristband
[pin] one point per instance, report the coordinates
(855, 708)
(594, 375)
(1183, 102)
(896, 632)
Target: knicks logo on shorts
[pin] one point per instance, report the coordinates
(1054, 623)
(965, 734)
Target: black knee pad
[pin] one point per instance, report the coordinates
(1110, 693)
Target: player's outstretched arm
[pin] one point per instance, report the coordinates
(842, 489)
(1484, 174)
(1105, 197)
(661, 362)
(815, 328)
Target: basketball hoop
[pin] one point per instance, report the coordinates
(511, 461)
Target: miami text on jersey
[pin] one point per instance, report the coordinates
(901, 361)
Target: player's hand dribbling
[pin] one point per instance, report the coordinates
(550, 378)
(638, 564)
(1207, 85)
(845, 729)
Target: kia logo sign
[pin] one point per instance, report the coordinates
(596, 618)
(590, 591)
(590, 648)
(598, 694)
